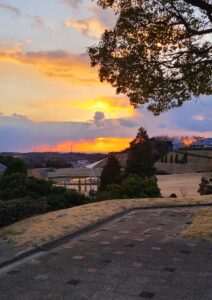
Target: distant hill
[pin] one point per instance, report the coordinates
(55, 159)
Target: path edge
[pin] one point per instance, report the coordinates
(45, 247)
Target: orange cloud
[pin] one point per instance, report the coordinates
(91, 27)
(74, 68)
(107, 144)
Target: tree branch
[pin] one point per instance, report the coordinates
(201, 4)
(188, 28)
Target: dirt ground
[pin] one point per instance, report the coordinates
(183, 185)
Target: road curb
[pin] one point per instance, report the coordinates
(45, 247)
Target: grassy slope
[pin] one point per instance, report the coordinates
(201, 226)
(42, 228)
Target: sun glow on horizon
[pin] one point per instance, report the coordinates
(100, 144)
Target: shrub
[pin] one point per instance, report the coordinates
(16, 186)
(132, 187)
(173, 195)
(161, 172)
(205, 187)
(151, 188)
(30, 192)
(15, 210)
(185, 158)
(176, 159)
(16, 165)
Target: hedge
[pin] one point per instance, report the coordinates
(15, 210)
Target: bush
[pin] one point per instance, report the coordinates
(16, 186)
(69, 198)
(185, 158)
(30, 192)
(15, 210)
(173, 195)
(132, 187)
(151, 188)
(16, 165)
(205, 187)
(161, 172)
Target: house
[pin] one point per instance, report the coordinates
(2, 168)
(202, 144)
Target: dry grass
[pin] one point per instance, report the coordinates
(42, 228)
(183, 185)
(201, 226)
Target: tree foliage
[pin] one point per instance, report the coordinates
(111, 173)
(159, 52)
(132, 186)
(22, 196)
(140, 157)
(205, 187)
(16, 165)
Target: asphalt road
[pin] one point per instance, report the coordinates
(140, 256)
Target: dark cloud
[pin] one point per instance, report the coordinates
(17, 133)
(10, 9)
(128, 123)
(99, 116)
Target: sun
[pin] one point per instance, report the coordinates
(99, 105)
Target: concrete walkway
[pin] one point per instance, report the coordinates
(139, 256)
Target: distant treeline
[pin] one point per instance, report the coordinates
(53, 159)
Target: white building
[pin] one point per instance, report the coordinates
(202, 144)
(2, 168)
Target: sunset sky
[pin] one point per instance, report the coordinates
(51, 99)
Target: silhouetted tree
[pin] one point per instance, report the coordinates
(140, 158)
(158, 53)
(185, 158)
(111, 173)
(16, 165)
(79, 186)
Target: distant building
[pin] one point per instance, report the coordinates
(176, 145)
(2, 168)
(202, 144)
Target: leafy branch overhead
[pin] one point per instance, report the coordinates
(159, 52)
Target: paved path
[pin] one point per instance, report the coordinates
(140, 256)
